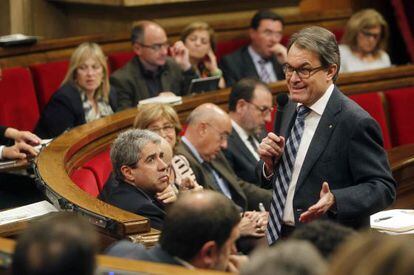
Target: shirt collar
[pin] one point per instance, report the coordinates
(320, 105)
(192, 149)
(255, 56)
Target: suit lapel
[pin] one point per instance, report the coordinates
(250, 68)
(140, 81)
(239, 144)
(288, 119)
(322, 135)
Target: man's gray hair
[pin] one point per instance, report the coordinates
(127, 147)
(320, 41)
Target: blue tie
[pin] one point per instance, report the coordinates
(283, 176)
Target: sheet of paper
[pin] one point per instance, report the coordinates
(26, 212)
(395, 220)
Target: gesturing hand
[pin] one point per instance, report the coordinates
(326, 200)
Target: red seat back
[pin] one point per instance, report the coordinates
(19, 108)
(372, 103)
(85, 179)
(101, 167)
(401, 109)
(47, 79)
(229, 46)
(118, 60)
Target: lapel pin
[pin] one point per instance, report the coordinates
(330, 126)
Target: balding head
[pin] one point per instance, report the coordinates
(208, 130)
(213, 215)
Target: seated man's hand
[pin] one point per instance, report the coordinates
(22, 136)
(250, 228)
(180, 54)
(19, 150)
(188, 184)
(280, 52)
(167, 195)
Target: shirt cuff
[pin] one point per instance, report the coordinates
(1, 151)
(268, 177)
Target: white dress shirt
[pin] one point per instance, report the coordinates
(244, 137)
(311, 123)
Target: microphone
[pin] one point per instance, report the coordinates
(281, 100)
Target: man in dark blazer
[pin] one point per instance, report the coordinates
(139, 183)
(250, 107)
(340, 170)
(210, 246)
(264, 57)
(151, 71)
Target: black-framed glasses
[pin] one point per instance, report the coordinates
(223, 135)
(369, 34)
(263, 109)
(156, 47)
(302, 72)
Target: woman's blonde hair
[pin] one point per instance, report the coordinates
(365, 19)
(199, 26)
(150, 113)
(84, 51)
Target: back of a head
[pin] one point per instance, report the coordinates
(263, 15)
(319, 41)
(206, 112)
(325, 235)
(196, 218)
(292, 257)
(373, 253)
(58, 245)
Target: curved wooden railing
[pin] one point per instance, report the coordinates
(72, 149)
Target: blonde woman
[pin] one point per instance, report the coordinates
(85, 94)
(163, 120)
(198, 38)
(364, 42)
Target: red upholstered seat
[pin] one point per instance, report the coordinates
(401, 109)
(85, 179)
(47, 79)
(101, 167)
(372, 103)
(269, 125)
(18, 99)
(227, 47)
(118, 60)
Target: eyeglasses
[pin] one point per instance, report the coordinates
(166, 128)
(223, 135)
(269, 33)
(302, 72)
(369, 34)
(156, 47)
(263, 109)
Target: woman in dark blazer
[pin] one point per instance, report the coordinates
(85, 94)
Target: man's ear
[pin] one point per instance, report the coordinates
(127, 173)
(241, 106)
(208, 255)
(202, 128)
(136, 47)
(332, 71)
(252, 33)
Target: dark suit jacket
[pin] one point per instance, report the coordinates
(65, 111)
(131, 86)
(126, 249)
(239, 64)
(133, 199)
(3, 139)
(245, 194)
(346, 151)
(241, 159)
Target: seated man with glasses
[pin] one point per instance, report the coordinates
(261, 59)
(152, 71)
(250, 107)
(327, 160)
(206, 136)
(139, 182)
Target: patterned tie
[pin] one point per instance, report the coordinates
(264, 74)
(284, 175)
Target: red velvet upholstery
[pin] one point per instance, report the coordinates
(85, 179)
(47, 79)
(101, 167)
(118, 60)
(372, 103)
(270, 125)
(226, 47)
(401, 109)
(18, 99)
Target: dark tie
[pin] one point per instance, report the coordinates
(283, 176)
(251, 140)
(264, 74)
(207, 166)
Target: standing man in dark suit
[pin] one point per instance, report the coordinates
(328, 160)
(139, 183)
(250, 107)
(264, 57)
(151, 71)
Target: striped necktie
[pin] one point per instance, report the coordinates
(264, 74)
(283, 176)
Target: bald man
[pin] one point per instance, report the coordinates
(152, 71)
(205, 138)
